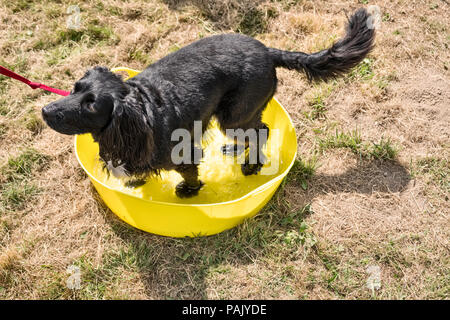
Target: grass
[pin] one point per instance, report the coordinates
(8, 264)
(14, 196)
(318, 108)
(252, 22)
(383, 149)
(33, 123)
(17, 189)
(333, 215)
(135, 53)
(21, 167)
(363, 71)
(19, 64)
(3, 129)
(92, 34)
(437, 171)
(302, 171)
(317, 100)
(280, 237)
(20, 5)
(4, 109)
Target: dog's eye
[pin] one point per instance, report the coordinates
(89, 102)
(90, 106)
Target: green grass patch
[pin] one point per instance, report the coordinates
(277, 232)
(318, 108)
(41, 44)
(21, 167)
(16, 188)
(15, 195)
(19, 5)
(20, 65)
(62, 40)
(298, 231)
(384, 149)
(3, 129)
(287, 4)
(54, 287)
(295, 237)
(302, 171)
(93, 33)
(436, 169)
(115, 11)
(382, 83)
(296, 217)
(96, 282)
(57, 55)
(253, 22)
(387, 17)
(174, 48)
(135, 53)
(33, 123)
(4, 108)
(134, 256)
(363, 71)
(351, 140)
(317, 104)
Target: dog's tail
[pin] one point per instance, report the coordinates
(337, 60)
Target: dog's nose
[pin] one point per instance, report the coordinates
(47, 113)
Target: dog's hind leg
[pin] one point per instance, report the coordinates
(250, 135)
(241, 110)
(254, 157)
(190, 186)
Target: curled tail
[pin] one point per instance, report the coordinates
(337, 60)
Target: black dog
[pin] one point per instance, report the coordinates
(229, 76)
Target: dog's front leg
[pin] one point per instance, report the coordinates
(190, 186)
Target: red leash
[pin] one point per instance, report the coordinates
(33, 85)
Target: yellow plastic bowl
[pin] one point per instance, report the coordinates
(226, 199)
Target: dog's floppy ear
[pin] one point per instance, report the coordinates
(128, 139)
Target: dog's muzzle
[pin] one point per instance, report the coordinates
(50, 115)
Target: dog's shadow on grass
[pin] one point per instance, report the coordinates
(188, 268)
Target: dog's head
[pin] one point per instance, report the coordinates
(90, 105)
(103, 105)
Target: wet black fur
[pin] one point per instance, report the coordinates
(229, 76)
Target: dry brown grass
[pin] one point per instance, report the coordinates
(318, 235)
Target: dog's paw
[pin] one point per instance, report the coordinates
(249, 169)
(135, 183)
(183, 190)
(232, 149)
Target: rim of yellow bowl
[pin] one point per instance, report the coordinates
(255, 191)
